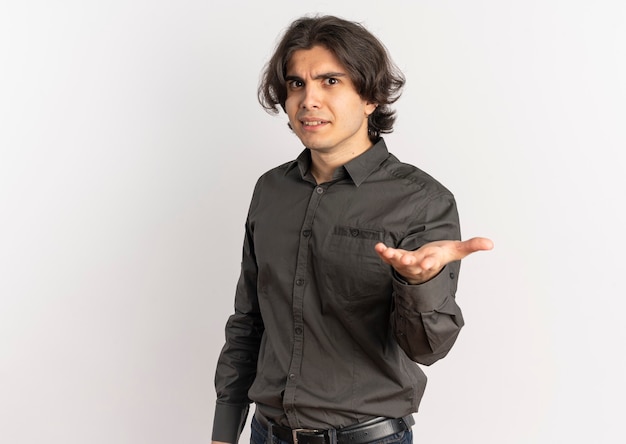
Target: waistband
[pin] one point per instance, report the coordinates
(362, 433)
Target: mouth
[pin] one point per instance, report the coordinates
(312, 124)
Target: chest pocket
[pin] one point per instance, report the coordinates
(352, 268)
(342, 232)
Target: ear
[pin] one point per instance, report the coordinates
(370, 108)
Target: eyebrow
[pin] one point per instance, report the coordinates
(326, 75)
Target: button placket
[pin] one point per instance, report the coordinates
(299, 289)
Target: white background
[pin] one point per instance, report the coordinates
(131, 139)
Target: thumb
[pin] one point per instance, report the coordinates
(475, 244)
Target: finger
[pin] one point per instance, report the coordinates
(407, 259)
(380, 248)
(388, 253)
(428, 263)
(384, 252)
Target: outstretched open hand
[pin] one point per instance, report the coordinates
(427, 261)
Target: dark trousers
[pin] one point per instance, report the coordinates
(258, 435)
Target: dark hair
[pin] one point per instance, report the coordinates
(375, 76)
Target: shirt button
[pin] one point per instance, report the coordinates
(306, 233)
(292, 376)
(299, 282)
(354, 232)
(452, 275)
(319, 190)
(298, 330)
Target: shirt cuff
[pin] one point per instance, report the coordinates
(228, 422)
(428, 296)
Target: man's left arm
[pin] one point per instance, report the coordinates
(426, 319)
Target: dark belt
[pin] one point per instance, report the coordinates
(372, 430)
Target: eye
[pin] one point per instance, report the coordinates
(294, 84)
(331, 81)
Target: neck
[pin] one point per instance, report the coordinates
(323, 165)
(322, 174)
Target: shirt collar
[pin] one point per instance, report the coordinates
(362, 166)
(358, 168)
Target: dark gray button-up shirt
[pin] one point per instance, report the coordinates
(324, 334)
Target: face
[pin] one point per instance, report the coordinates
(324, 109)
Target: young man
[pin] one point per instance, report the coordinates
(350, 259)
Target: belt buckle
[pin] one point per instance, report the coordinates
(294, 433)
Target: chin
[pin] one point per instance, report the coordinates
(316, 147)
(312, 144)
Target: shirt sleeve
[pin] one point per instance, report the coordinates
(236, 367)
(426, 319)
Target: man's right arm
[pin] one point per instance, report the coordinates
(236, 367)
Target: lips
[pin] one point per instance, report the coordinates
(312, 122)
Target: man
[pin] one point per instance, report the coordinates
(350, 259)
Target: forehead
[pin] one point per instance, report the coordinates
(314, 61)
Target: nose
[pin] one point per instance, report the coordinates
(311, 98)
